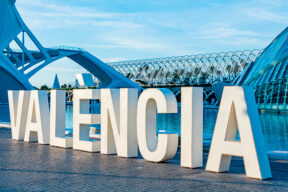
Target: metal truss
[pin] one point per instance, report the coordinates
(203, 69)
(269, 75)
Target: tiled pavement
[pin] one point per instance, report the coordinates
(33, 167)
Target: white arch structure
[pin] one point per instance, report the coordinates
(17, 67)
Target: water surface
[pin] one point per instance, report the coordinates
(274, 126)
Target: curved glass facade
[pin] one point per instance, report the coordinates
(268, 75)
(193, 70)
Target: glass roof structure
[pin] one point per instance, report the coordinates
(268, 75)
(193, 70)
(271, 65)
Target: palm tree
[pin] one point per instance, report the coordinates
(228, 68)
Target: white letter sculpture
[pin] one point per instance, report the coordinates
(238, 109)
(18, 107)
(57, 120)
(38, 117)
(165, 102)
(191, 127)
(82, 119)
(118, 122)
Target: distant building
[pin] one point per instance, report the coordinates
(76, 84)
(56, 84)
(85, 80)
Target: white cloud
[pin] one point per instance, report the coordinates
(223, 31)
(47, 15)
(274, 3)
(267, 15)
(130, 43)
(114, 24)
(114, 59)
(52, 10)
(122, 33)
(63, 69)
(243, 42)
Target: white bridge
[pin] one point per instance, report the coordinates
(17, 67)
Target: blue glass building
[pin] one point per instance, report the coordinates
(268, 75)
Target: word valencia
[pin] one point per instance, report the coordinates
(128, 122)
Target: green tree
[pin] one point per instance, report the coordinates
(64, 86)
(44, 87)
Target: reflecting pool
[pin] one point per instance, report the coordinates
(4, 114)
(275, 127)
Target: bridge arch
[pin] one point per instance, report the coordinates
(18, 66)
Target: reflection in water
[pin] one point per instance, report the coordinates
(4, 114)
(69, 116)
(275, 126)
(275, 129)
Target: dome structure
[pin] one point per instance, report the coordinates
(268, 75)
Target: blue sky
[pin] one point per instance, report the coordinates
(116, 30)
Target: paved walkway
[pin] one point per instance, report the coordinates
(34, 167)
